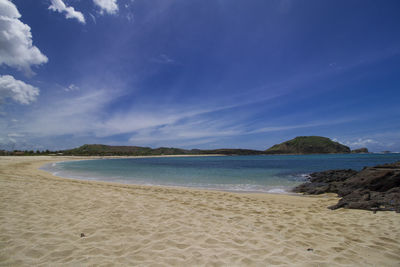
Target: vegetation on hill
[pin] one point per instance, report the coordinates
(308, 145)
(230, 151)
(29, 152)
(298, 145)
(104, 150)
(360, 150)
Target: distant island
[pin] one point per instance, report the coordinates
(363, 150)
(308, 145)
(105, 150)
(298, 145)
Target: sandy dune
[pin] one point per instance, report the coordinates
(42, 218)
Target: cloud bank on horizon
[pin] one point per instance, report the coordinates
(197, 74)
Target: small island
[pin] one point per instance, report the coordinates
(362, 150)
(308, 145)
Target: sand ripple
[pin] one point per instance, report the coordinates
(42, 218)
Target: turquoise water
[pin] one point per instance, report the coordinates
(272, 174)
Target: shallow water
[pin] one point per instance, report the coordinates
(270, 173)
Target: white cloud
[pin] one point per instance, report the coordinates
(138, 119)
(192, 131)
(79, 114)
(16, 49)
(135, 120)
(17, 90)
(71, 87)
(93, 18)
(299, 126)
(70, 12)
(108, 6)
(82, 114)
(129, 17)
(361, 142)
(15, 135)
(163, 59)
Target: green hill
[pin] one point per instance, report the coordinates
(360, 150)
(308, 145)
(105, 150)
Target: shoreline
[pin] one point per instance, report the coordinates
(42, 217)
(133, 185)
(179, 187)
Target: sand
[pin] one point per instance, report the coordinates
(42, 218)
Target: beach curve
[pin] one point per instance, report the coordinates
(43, 217)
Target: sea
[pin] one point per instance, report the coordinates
(262, 174)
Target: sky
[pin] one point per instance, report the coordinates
(199, 73)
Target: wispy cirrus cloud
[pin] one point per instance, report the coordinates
(191, 130)
(71, 87)
(79, 114)
(74, 115)
(83, 114)
(163, 59)
(304, 125)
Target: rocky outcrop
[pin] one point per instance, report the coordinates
(373, 188)
(324, 182)
(360, 150)
(308, 145)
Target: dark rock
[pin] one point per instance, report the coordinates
(323, 182)
(373, 188)
(82, 235)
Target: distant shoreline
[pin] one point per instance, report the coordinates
(195, 155)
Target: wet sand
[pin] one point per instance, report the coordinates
(42, 218)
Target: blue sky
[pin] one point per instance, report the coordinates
(199, 74)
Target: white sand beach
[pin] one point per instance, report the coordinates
(42, 218)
